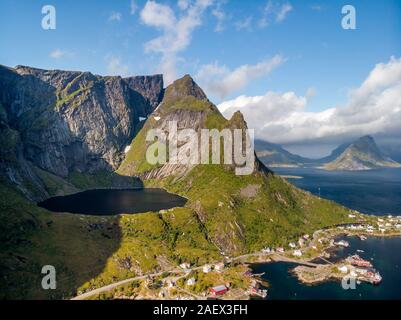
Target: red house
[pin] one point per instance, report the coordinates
(219, 290)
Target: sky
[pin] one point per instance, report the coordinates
(300, 79)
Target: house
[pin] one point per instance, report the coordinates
(351, 216)
(301, 242)
(219, 290)
(280, 249)
(185, 265)
(343, 269)
(292, 245)
(305, 236)
(266, 250)
(380, 220)
(191, 281)
(207, 268)
(297, 253)
(219, 266)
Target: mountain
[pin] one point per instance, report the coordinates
(243, 212)
(64, 122)
(362, 154)
(333, 155)
(392, 151)
(64, 132)
(274, 155)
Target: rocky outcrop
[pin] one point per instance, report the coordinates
(73, 121)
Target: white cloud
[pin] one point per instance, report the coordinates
(115, 67)
(274, 10)
(133, 7)
(183, 4)
(115, 16)
(58, 53)
(244, 24)
(372, 108)
(282, 13)
(176, 32)
(220, 81)
(220, 15)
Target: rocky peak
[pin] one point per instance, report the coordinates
(184, 87)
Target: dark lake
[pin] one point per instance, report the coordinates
(114, 201)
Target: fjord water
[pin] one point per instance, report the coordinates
(386, 258)
(375, 192)
(114, 201)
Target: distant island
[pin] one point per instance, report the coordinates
(362, 154)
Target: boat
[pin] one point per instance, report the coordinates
(362, 237)
(360, 251)
(342, 243)
(374, 278)
(258, 292)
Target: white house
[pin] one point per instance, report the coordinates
(191, 281)
(343, 269)
(297, 253)
(292, 245)
(207, 268)
(219, 266)
(185, 265)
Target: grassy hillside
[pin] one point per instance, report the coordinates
(89, 251)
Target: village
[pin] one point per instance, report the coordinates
(233, 279)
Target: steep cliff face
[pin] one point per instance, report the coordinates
(74, 121)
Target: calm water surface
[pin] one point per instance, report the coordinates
(375, 192)
(114, 201)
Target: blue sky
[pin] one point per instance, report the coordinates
(317, 58)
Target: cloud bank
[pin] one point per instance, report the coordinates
(372, 108)
(220, 81)
(176, 30)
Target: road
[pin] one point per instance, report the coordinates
(119, 283)
(275, 257)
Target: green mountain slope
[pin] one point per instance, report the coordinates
(240, 213)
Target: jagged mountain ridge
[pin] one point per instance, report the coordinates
(67, 121)
(238, 213)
